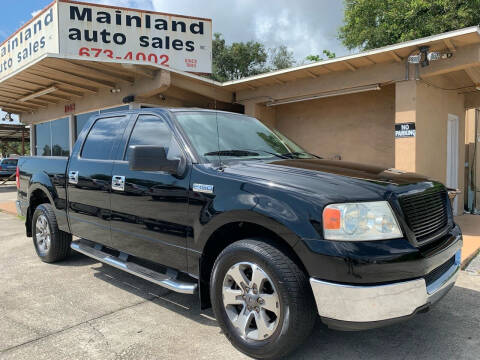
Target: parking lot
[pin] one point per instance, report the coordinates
(81, 309)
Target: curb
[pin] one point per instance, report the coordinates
(467, 261)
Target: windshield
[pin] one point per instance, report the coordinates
(239, 136)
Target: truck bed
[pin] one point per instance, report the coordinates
(36, 171)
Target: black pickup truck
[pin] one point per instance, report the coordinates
(216, 203)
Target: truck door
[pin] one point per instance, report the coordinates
(89, 178)
(149, 208)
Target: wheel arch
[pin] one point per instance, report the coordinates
(38, 194)
(228, 233)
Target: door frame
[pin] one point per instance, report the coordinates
(452, 161)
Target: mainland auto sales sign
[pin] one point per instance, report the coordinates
(92, 32)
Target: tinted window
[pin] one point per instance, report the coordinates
(52, 138)
(232, 136)
(102, 136)
(82, 119)
(150, 130)
(60, 137)
(42, 139)
(9, 162)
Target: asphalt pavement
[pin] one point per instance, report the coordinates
(81, 309)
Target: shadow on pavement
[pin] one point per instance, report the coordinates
(8, 187)
(185, 305)
(449, 330)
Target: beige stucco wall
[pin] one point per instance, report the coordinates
(357, 127)
(405, 112)
(261, 112)
(433, 106)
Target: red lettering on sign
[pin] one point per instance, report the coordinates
(69, 108)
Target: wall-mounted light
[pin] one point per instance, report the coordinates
(415, 59)
(8, 117)
(424, 57)
(115, 90)
(128, 99)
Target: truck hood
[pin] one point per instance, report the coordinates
(347, 179)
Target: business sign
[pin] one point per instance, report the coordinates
(403, 130)
(106, 33)
(112, 33)
(36, 38)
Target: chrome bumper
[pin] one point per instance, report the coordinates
(366, 304)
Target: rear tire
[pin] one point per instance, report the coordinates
(51, 244)
(273, 292)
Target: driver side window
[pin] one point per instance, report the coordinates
(152, 130)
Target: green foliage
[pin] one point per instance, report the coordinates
(237, 60)
(329, 54)
(370, 24)
(281, 58)
(8, 148)
(315, 58)
(242, 59)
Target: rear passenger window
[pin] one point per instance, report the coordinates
(102, 136)
(150, 130)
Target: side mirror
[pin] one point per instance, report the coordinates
(154, 158)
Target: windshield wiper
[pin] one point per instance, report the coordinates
(243, 153)
(231, 153)
(296, 154)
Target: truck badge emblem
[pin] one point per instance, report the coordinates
(203, 188)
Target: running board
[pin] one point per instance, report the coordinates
(166, 280)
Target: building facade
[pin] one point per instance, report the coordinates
(382, 107)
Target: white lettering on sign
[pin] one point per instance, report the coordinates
(405, 130)
(116, 34)
(106, 33)
(36, 38)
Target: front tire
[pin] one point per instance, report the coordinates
(51, 244)
(261, 299)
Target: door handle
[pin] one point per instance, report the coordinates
(73, 177)
(118, 183)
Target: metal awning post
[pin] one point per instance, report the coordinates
(23, 141)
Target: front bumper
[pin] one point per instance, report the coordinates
(352, 307)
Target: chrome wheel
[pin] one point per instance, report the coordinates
(42, 234)
(251, 301)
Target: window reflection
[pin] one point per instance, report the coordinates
(82, 119)
(52, 138)
(102, 136)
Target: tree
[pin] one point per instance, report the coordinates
(315, 58)
(237, 60)
(281, 58)
(370, 24)
(13, 147)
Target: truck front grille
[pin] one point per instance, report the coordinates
(425, 212)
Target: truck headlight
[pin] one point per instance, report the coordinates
(360, 222)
